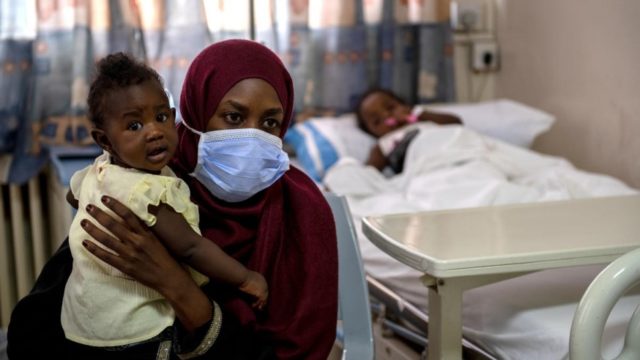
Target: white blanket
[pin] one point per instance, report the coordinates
(453, 167)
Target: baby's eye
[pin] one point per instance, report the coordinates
(134, 126)
(162, 117)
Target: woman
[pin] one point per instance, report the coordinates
(278, 224)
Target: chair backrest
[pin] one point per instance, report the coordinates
(597, 302)
(3, 345)
(353, 296)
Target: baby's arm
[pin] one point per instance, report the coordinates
(71, 199)
(204, 255)
(439, 118)
(377, 158)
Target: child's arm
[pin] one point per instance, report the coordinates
(439, 118)
(204, 255)
(377, 158)
(72, 199)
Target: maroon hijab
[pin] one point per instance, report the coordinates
(286, 232)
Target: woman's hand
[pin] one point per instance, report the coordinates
(139, 254)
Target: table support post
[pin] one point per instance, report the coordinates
(445, 320)
(445, 311)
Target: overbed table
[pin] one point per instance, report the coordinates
(465, 248)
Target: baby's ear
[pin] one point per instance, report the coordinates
(101, 139)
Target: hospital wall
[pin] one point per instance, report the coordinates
(579, 60)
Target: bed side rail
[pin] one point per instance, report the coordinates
(597, 302)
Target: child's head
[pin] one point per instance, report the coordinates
(131, 114)
(381, 111)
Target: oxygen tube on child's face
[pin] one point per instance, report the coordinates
(410, 119)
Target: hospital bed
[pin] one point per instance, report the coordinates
(484, 163)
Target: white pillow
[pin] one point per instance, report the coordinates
(319, 142)
(502, 119)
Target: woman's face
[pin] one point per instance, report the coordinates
(251, 103)
(377, 108)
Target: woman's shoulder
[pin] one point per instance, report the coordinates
(306, 196)
(303, 182)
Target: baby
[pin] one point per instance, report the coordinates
(381, 112)
(134, 124)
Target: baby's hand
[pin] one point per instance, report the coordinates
(256, 286)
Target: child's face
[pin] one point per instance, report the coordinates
(139, 129)
(376, 110)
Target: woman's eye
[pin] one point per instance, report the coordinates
(271, 123)
(233, 118)
(134, 126)
(162, 117)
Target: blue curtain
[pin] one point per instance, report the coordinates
(16, 63)
(47, 52)
(335, 50)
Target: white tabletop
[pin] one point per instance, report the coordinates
(510, 238)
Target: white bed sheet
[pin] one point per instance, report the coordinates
(453, 167)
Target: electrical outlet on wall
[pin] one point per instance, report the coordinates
(484, 56)
(468, 15)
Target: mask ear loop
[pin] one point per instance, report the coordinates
(182, 122)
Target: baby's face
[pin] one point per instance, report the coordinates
(140, 126)
(382, 113)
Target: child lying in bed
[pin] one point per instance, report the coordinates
(380, 112)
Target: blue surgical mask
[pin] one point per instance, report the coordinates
(236, 164)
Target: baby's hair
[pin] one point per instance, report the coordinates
(376, 90)
(116, 71)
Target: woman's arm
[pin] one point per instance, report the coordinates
(202, 329)
(143, 257)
